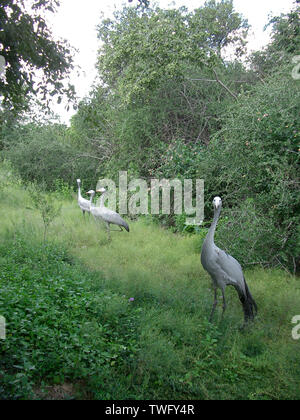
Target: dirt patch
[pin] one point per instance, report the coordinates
(65, 391)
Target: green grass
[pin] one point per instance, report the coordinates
(70, 322)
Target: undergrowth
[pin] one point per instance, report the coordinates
(127, 319)
(58, 328)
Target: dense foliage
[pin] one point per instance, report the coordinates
(254, 159)
(28, 47)
(171, 106)
(285, 43)
(54, 317)
(88, 319)
(45, 154)
(141, 48)
(128, 319)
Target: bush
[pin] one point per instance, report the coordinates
(256, 156)
(249, 235)
(46, 205)
(58, 329)
(46, 154)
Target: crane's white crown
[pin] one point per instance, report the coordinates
(78, 180)
(217, 202)
(91, 192)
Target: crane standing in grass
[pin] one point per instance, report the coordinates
(82, 202)
(105, 214)
(225, 270)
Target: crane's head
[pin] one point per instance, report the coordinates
(91, 192)
(78, 181)
(101, 190)
(217, 202)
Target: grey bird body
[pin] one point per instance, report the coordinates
(105, 214)
(225, 270)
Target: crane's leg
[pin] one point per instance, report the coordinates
(116, 230)
(214, 305)
(224, 302)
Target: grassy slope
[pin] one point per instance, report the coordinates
(173, 352)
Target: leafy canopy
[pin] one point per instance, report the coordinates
(285, 42)
(35, 62)
(143, 46)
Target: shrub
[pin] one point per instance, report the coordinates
(46, 154)
(58, 329)
(256, 156)
(45, 204)
(249, 235)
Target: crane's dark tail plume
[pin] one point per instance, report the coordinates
(249, 304)
(125, 225)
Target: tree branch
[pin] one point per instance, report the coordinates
(224, 86)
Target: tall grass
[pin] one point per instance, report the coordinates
(129, 318)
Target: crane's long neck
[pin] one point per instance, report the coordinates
(91, 200)
(79, 192)
(211, 233)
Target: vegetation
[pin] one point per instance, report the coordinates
(128, 319)
(254, 158)
(284, 45)
(27, 45)
(45, 154)
(46, 206)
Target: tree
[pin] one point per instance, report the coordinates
(44, 153)
(141, 47)
(158, 86)
(285, 41)
(27, 45)
(254, 159)
(222, 26)
(144, 3)
(46, 205)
